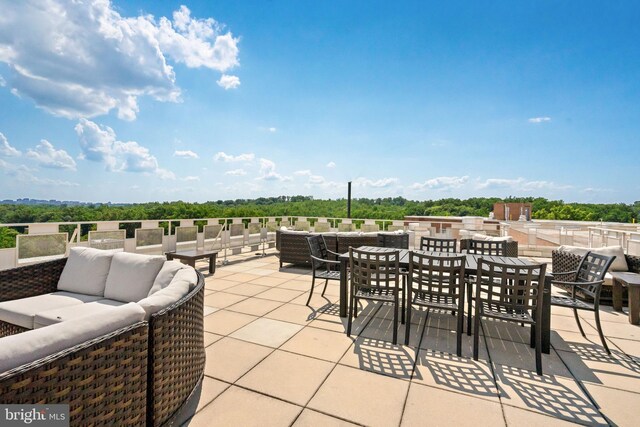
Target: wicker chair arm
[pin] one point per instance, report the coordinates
(30, 280)
(563, 273)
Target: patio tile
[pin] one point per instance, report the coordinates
(508, 331)
(433, 406)
(260, 271)
(268, 281)
(300, 285)
(517, 417)
(566, 341)
(316, 300)
(457, 374)
(620, 406)
(630, 347)
(309, 418)
(381, 357)
(618, 330)
(229, 359)
(223, 271)
(288, 376)
(247, 289)
(267, 332)
(219, 284)
(224, 322)
(209, 310)
(293, 313)
(210, 389)
(319, 343)
(569, 324)
(210, 338)
(222, 299)
(594, 365)
(524, 357)
(243, 277)
(444, 340)
(330, 323)
(555, 396)
(278, 294)
(239, 407)
(255, 306)
(358, 396)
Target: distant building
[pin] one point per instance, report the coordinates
(512, 211)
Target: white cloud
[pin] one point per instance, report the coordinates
(46, 155)
(228, 82)
(520, 184)
(186, 154)
(331, 165)
(268, 172)
(100, 144)
(441, 183)
(23, 174)
(305, 172)
(6, 149)
(380, 183)
(191, 178)
(224, 157)
(236, 172)
(3, 82)
(268, 129)
(83, 59)
(539, 119)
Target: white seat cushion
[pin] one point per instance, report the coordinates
(21, 312)
(165, 276)
(484, 237)
(61, 314)
(131, 276)
(86, 271)
(19, 349)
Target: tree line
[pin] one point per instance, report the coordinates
(364, 208)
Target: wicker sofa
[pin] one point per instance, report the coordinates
(563, 260)
(136, 374)
(293, 248)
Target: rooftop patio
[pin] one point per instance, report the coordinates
(271, 360)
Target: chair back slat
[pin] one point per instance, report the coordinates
(433, 244)
(318, 249)
(509, 288)
(436, 278)
(592, 268)
(374, 270)
(487, 247)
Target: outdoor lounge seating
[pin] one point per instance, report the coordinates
(119, 336)
(589, 277)
(434, 244)
(510, 245)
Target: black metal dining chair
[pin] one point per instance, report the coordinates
(321, 266)
(589, 277)
(375, 276)
(434, 244)
(511, 293)
(436, 282)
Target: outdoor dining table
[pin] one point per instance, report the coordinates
(471, 267)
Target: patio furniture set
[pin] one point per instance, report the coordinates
(437, 277)
(117, 336)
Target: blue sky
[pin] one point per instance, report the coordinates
(197, 100)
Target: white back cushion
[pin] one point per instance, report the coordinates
(484, 237)
(17, 350)
(86, 271)
(619, 263)
(165, 276)
(131, 276)
(164, 297)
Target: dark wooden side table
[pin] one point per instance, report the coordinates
(631, 281)
(191, 256)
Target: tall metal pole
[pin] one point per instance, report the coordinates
(349, 200)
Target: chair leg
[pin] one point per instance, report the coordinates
(407, 325)
(460, 319)
(470, 297)
(325, 286)
(353, 303)
(476, 334)
(604, 342)
(403, 305)
(396, 308)
(575, 314)
(313, 284)
(538, 334)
